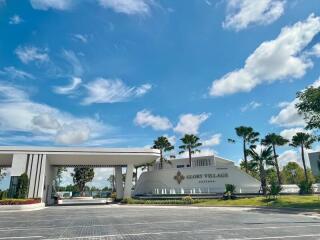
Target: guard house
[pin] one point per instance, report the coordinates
(41, 163)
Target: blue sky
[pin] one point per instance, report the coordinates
(119, 73)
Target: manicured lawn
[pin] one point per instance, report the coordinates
(306, 202)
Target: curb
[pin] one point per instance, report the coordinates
(25, 207)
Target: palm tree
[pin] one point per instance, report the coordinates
(274, 140)
(249, 137)
(260, 160)
(162, 143)
(304, 141)
(190, 145)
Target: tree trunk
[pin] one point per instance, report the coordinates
(276, 164)
(304, 163)
(245, 156)
(189, 149)
(263, 178)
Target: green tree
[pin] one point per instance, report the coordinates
(22, 187)
(3, 173)
(304, 141)
(60, 171)
(81, 176)
(309, 106)
(261, 160)
(249, 138)
(162, 143)
(292, 173)
(274, 140)
(190, 144)
(111, 180)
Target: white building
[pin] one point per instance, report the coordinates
(41, 163)
(314, 159)
(207, 174)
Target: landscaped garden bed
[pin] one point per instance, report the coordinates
(19, 201)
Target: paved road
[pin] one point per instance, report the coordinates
(132, 222)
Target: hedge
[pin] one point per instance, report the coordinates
(19, 201)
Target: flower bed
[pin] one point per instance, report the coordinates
(19, 201)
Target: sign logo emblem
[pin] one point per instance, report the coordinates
(179, 177)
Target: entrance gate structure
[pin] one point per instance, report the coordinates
(41, 163)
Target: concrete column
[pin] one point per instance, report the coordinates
(119, 183)
(128, 182)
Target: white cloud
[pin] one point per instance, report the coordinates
(251, 106)
(273, 60)
(212, 141)
(23, 116)
(288, 115)
(54, 4)
(189, 123)
(203, 152)
(81, 37)
(32, 54)
(145, 118)
(243, 13)
(315, 51)
(68, 89)
(130, 7)
(289, 133)
(73, 134)
(15, 19)
(71, 57)
(112, 90)
(15, 73)
(288, 156)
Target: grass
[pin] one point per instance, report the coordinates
(311, 202)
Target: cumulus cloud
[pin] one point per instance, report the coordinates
(29, 54)
(288, 156)
(214, 140)
(53, 4)
(145, 118)
(111, 91)
(273, 60)
(190, 123)
(15, 73)
(15, 19)
(70, 88)
(251, 106)
(289, 115)
(129, 7)
(289, 133)
(19, 114)
(243, 13)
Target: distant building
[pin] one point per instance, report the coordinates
(314, 159)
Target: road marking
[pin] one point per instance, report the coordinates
(27, 237)
(199, 231)
(8, 229)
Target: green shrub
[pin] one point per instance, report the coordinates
(274, 190)
(188, 200)
(305, 187)
(113, 195)
(22, 188)
(3, 194)
(230, 188)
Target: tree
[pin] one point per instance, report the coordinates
(249, 137)
(274, 140)
(292, 173)
(304, 141)
(162, 143)
(261, 160)
(3, 173)
(309, 106)
(60, 171)
(81, 176)
(190, 145)
(111, 180)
